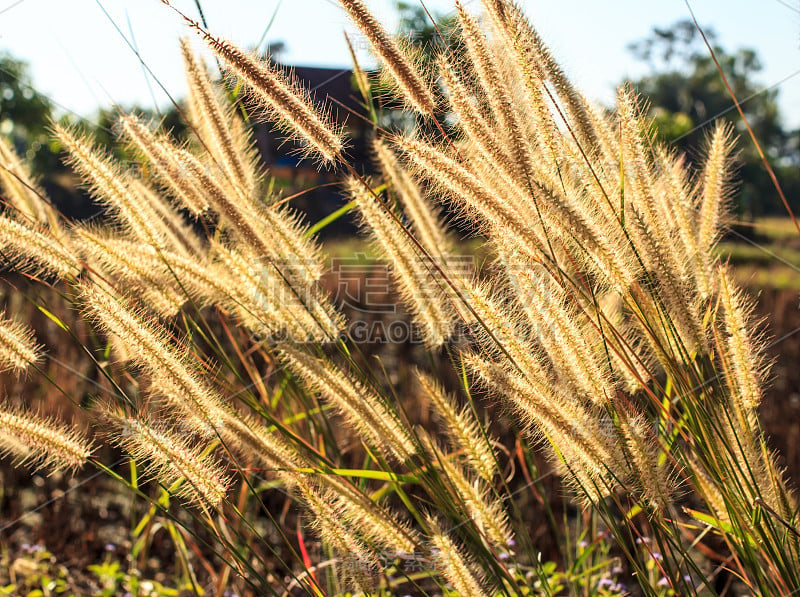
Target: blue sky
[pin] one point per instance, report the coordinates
(81, 61)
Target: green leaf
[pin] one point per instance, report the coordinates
(54, 318)
(364, 474)
(330, 218)
(723, 527)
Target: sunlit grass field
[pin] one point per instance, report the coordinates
(581, 399)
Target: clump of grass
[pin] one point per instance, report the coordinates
(608, 331)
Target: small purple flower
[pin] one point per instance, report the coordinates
(663, 582)
(640, 540)
(617, 570)
(605, 583)
(110, 547)
(583, 544)
(657, 556)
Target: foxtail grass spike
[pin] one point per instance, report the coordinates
(41, 442)
(174, 461)
(402, 68)
(34, 249)
(18, 349)
(454, 565)
(283, 100)
(213, 119)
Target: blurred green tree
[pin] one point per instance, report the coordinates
(21, 106)
(416, 26)
(686, 95)
(25, 116)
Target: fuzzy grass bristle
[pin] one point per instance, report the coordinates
(35, 249)
(462, 428)
(169, 170)
(18, 348)
(404, 72)
(284, 100)
(413, 273)
(41, 442)
(180, 465)
(215, 124)
(453, 565)
(364, 409)
(22, 191)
